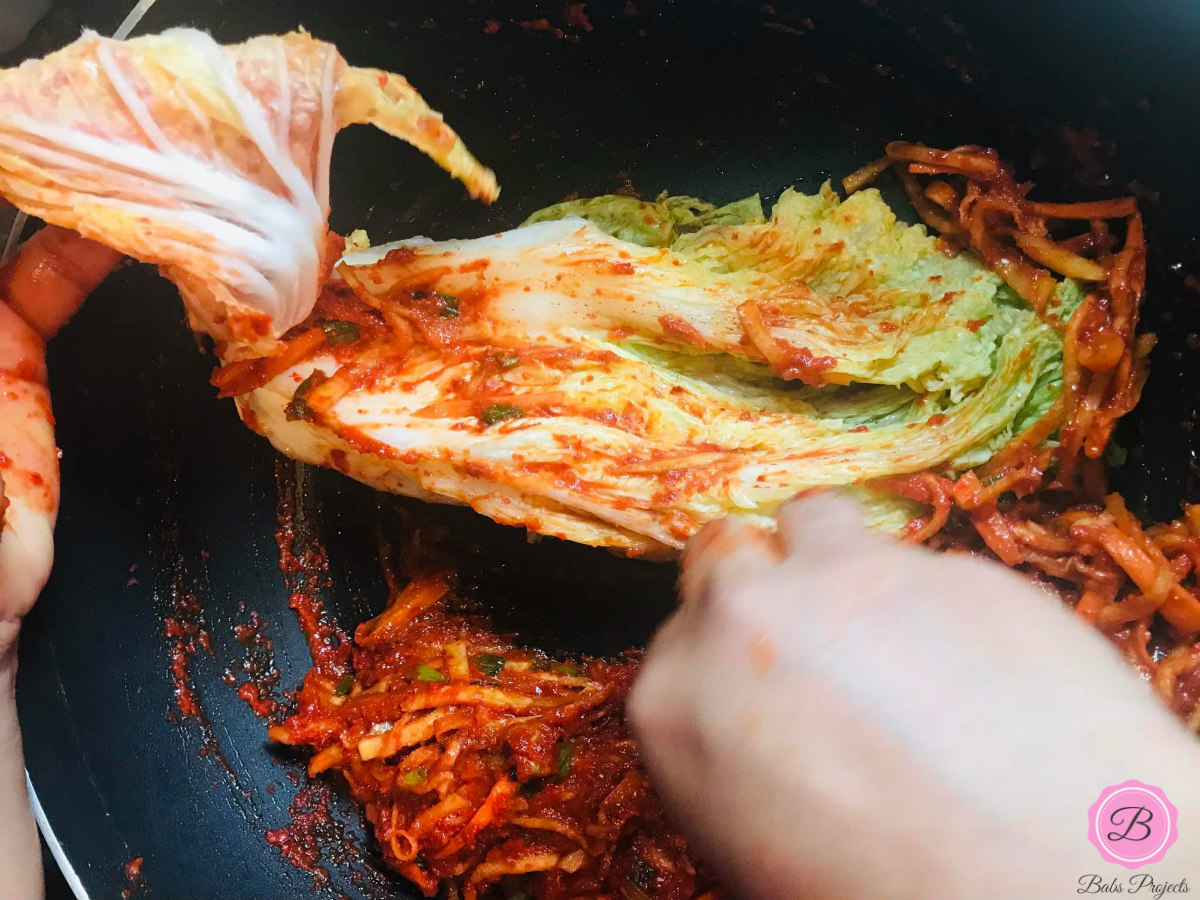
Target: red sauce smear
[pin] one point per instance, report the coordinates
(305, 574)
(298, 843)
(258, 664)
(786, 361)
(133, 878)
(799, 363)
(577, 17)
(543, 24)
(253, 694)
(679, 329)
(187, 633)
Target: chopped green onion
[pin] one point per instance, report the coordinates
(498, 412)
(505, 360)
(416, 776)
(426, 672)
(298, 408)
(489, 664)
(565, 669)
(315, 377)
(339, 332)
(344, 685)
(566, 756)
(449, 305)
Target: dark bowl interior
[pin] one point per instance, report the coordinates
(167, 496)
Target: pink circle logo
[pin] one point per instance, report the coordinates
(1132, 824)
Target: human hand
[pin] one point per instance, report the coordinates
(832, 713)
(42, 287)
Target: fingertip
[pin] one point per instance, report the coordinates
(828, 520)
(650, 698)
(699, 542)
(729, 549)
(821, 507)
(639, 705)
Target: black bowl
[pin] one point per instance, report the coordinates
(167, 497)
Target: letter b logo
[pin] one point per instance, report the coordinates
(1130, 818)
(1132, 824)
